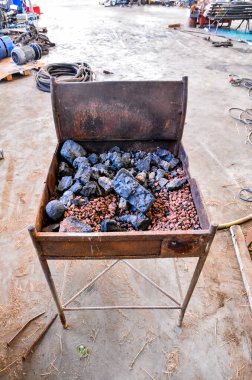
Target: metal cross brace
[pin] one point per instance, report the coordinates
(116, 307)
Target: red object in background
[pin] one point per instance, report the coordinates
(36, 9)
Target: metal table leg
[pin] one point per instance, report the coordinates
(190, 290)
(48, 277)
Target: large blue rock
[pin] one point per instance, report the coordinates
(128, 188)
(71, 150)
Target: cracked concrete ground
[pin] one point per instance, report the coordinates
(215, 341)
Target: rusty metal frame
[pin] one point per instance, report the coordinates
(182, 306)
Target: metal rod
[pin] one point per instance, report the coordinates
(23, 328)
(151, 282)
(196, 275)
(130, 307)
(244, 260)
(178, 280)
(41, 335)
(48, 276)
(89, 284)
(192, 285)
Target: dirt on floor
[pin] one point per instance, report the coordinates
(215, 342)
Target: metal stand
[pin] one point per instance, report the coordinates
(182, 306)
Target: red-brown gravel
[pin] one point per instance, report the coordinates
(171, 211)
(174, 210)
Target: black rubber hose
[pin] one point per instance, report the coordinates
(64, 72)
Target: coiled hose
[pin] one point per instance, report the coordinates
(64, 72)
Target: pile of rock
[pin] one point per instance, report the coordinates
(118, 191)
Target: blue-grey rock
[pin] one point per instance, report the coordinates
(174, 173)
(162, 182)
(83, 174)
(65, 170)
(76, 187)
(162, 152)
(71, 150)
(115, 160)
(55, 210)
(139, 221)
(103, 157)
(126, 160)
(80, 201)
(175, 184)
(72, 224)
(95, 173)
(67, 198)
(133, 172)
(65, 183)
(151, 183)
(152, 175)
(127, 187)
(132, 208)
(122, 205)
(93, 159)
(105, 183)
(89, 189)
(173, 163)
(115, 149)
(143, 164)
(160, 174)
(107, 164)
(109, 225)
(155, 159)
(139, 155)
(80, 161)
(102, 170)
(141, 177)
(165, 165)
(168, 157)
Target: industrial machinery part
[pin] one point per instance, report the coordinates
(23, 54)
(38, 50)
(3, 20)
(6, 47)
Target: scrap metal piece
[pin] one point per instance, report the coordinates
(244, 260)
(42, 334)
(23, 328)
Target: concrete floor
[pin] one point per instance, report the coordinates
(215, 341)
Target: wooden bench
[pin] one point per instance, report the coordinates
(227, 12)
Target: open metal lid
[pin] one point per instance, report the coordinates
(107, 111)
